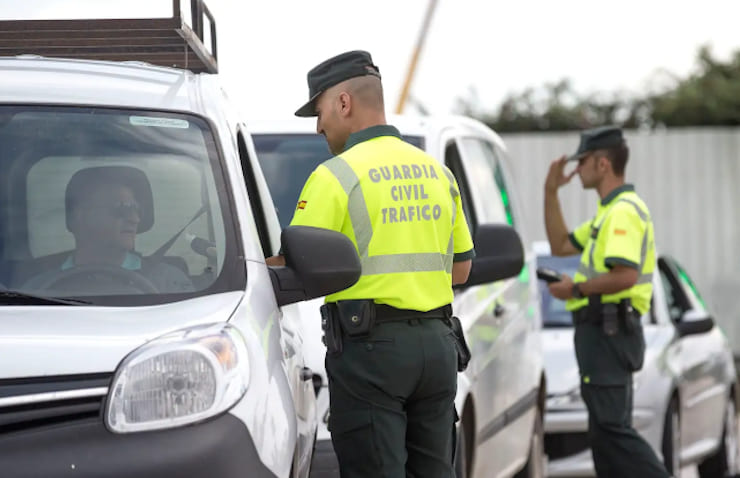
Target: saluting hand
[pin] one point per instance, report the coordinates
(556, 176)
(562, 289)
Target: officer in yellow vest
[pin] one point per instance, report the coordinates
(392, 359)
(610, 291)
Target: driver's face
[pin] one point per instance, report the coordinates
(112, 217)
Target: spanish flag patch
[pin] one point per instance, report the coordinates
(301, 205)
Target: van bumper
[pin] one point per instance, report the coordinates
(219, 447)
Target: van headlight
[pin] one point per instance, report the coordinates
(177, 379)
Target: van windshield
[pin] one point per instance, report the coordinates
(115, 207)
(287, 161)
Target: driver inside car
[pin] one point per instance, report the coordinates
(106, 207)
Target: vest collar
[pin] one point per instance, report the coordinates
(616, 192)
(370, 133)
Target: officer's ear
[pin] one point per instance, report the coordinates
(604, 162)
(344, 101)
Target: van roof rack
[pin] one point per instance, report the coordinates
(158, 41)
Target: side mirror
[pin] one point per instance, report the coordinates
(499, 254)
(318, 262)
(694, 321)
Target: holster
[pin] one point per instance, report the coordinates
(463, 352)
(356, 316)
(332, 329)
(610, 319)
(629, 317)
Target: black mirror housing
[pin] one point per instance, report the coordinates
(694, 322)
(499, 254)
(318, 262)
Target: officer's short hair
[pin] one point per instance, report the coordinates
(618, 156)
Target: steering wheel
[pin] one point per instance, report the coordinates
(89, 276)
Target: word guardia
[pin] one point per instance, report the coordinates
(407, 192)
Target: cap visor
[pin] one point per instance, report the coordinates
(576, 157)
(309, 109)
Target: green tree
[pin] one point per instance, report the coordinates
(708, 97)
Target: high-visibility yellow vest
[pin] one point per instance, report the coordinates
(402, 210)
(621, 233)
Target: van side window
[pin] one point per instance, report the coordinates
(453, 162)
(487, 198)
(507, 196)
(255, 201)
(674, 307)
(692, 293)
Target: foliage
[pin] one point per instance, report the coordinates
(710, 96)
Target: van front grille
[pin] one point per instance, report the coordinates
(41, 401)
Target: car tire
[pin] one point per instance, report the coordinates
(535, 467)
(671, 446)
(461, 452)
(725, 461)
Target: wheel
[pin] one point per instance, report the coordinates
(461, 452)
(724, 462)
(535, 467)
(671, 446)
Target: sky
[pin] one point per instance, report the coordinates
(480, 49)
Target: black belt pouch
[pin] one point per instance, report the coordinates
(463, 352)
(332, 330)
(356, 316)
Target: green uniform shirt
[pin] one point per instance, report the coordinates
(402, 210)
(621, 233)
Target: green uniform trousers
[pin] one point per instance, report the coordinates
(606, 364)
(392, 410)
(618, 450)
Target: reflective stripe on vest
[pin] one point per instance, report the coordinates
(590, 272)
(363, 230)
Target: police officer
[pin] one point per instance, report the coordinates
(392, 374)
(610, 291)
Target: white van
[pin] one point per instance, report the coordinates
(501, 395)
(141, 333)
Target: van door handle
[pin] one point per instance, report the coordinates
(499, 310)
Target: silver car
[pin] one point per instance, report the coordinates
(685, 400)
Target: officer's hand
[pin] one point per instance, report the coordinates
(562, 289)
(556, 176)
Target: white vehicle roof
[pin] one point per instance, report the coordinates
(430, 127)
(36, 80)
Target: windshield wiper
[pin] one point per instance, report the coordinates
(14, 297)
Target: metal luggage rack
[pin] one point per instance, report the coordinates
(158, 41)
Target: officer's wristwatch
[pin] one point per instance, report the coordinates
(576, 291)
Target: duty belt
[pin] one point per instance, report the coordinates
(386, 313)
(593, 312)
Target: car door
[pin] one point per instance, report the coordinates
(496, 343)
(702, 388)
(291, 331)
